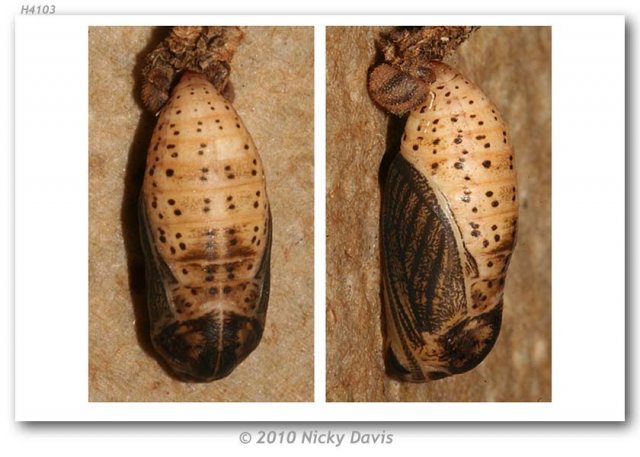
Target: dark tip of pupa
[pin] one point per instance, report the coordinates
(209, 347)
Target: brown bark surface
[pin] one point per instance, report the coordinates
(513, 67)
(272, 77)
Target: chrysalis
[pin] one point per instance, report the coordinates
(206, 231)
(449, 222)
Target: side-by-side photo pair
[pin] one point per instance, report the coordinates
(201, 214)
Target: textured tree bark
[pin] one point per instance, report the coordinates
(512, 65)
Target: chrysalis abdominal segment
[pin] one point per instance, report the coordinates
(449, 222)
(206, 231)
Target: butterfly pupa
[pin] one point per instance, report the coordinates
(448, 229)
(206, 233)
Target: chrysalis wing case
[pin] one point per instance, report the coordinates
(448, 229)
(206, 231)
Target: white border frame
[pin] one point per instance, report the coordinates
(51, 228)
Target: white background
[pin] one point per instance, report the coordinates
(588, 284)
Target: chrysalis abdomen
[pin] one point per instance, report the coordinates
(448, 229)
(206, 232)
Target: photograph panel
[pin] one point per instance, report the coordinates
(201, 214)
(438, 160)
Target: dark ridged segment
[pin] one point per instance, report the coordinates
(419, 245)
(393, 366)
(209, 347)
(468, 343)
(424, 283)
(395, 90)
